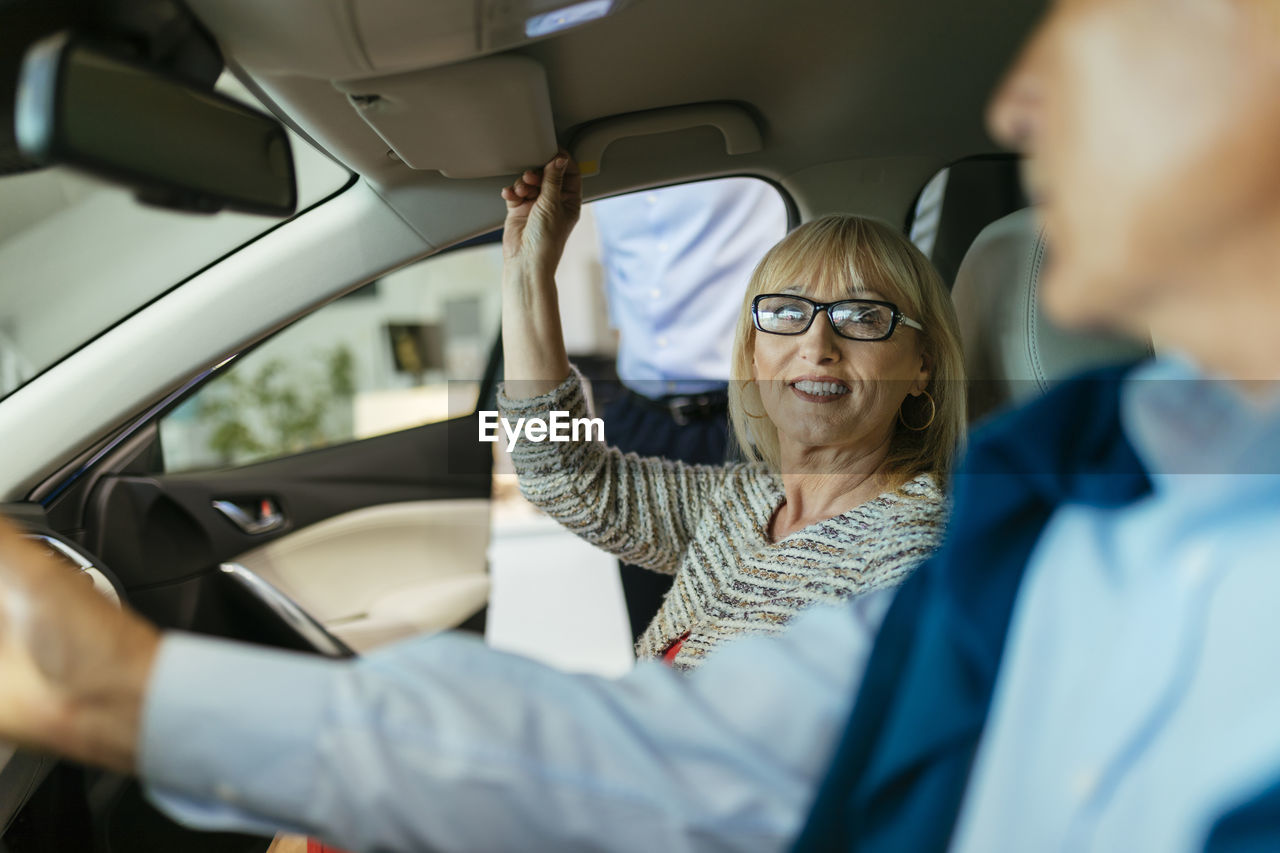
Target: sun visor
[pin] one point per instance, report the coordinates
(477, 119)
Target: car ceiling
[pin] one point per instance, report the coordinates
(827, 82)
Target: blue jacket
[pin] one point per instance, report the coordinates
(902, 765)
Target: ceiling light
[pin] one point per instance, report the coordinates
(566, 18)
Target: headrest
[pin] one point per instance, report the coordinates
(1012, 351)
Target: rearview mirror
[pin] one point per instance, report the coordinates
(175, 144)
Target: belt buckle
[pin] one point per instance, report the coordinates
(682, 408)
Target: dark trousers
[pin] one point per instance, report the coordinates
(636, 425)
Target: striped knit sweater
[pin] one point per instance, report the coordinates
(708, 526)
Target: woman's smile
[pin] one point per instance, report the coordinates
(819, 389)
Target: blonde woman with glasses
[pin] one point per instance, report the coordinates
(846, 397)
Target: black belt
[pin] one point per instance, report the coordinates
(685, 408)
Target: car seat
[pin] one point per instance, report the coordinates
(1012, 351)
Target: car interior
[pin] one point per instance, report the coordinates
(405, 120)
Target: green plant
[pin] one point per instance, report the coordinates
(281, 408)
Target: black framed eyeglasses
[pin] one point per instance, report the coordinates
(855, 319)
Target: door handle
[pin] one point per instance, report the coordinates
(262, 516)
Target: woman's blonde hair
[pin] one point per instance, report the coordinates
(839, 256)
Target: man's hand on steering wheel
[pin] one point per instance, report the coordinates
(73, 666)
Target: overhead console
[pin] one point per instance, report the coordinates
(397, 33)
(342, 39)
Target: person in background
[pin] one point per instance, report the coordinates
(676, 262)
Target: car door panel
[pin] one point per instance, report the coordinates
(430, 573)
(165, 540)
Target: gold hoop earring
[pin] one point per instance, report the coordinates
(933, 413)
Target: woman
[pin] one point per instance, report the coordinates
(845, 397)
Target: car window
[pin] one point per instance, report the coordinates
(405, 350)
(77, 255)
(412, 347)
(958, 202)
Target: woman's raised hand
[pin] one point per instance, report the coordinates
(542, 208)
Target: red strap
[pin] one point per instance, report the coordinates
(314, 846)
(672, 650)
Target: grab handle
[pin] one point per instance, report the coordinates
(741, 135)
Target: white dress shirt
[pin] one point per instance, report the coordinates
(677, 261)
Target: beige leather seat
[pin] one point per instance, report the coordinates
(1012, 351)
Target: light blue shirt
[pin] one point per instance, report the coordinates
(677, 261)
(443, 744)
(1137, 701)
(1139, 698)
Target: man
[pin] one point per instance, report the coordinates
(677, 261)
(1090, 669)
(1088, 662)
